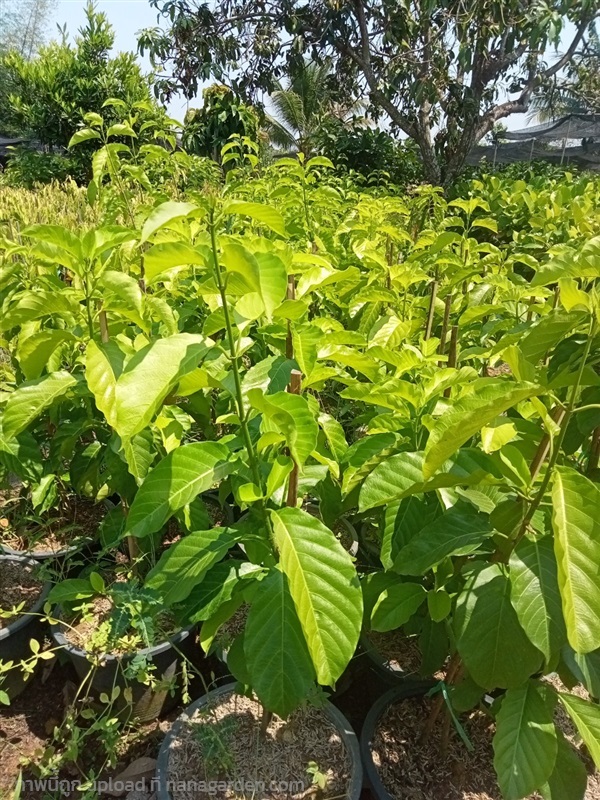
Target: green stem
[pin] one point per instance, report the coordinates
(235, 363)
(535, 503)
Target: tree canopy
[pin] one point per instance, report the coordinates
(444, 72)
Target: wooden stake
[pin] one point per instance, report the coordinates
(594, 458)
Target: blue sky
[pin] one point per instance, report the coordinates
(130, 16)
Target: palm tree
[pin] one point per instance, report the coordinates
(303, 106)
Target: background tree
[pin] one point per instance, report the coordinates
(577, 89)
(207, 129)
(23, 28)
(443, 72)
(52, 91)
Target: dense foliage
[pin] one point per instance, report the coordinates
(427, 367)
(439, 72)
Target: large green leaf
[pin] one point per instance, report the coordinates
(402, 475)
(535, 595)
(569, 777)
(35, 350)
(167, 256)
(325, 589)
(547, 333)
(402, 521)
(290, 415)
(576, 524)
(277, 656)
(164, 214)
(175, 482)
(216, 587)
(586, 716)
(185, 563)
(131, 398)
(469, 415)
(490, 640)
(263, 214)
(525, 744)
(30, 305)
(263, 273)
(306, 340)
(31, 398)
(139, 452)
(459, 531)
(396, 605)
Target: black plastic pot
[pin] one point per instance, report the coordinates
(335, 716)
(146, 703)
(15, 638)
(84, 547)
(392, 675)
(378, 709)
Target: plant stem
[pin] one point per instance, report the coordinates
(292, 497)
(431, 312)
(535, 503)
(235, 364)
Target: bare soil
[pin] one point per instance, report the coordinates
(398, 651)
(414, 770)
(77, 519)
(18, 584)
(224, 744)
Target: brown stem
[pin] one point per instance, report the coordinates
(452, 353)
(267, 716)
(454, 669)
(104, 332)
(294, 388)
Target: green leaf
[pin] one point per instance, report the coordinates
(469, 415)
(396, 605)
(576, 525)
(263, 273)
(490, 640)
(569, 777)
(164, 214)
(459, 531)
(175, 482)
(402, 521)
(140, 452)
(71, 589)
(125, 287)
(547, 333)
(35, 350)
(325, 589)
(185, 563)
(31, 399)
(525, 744)
(402, 475)
(121, 129)
(216, 587)
(586, 716)
(291, 415)
(166, 256)
(31, 305)
(265, 215)
(130, 398)
(84, 135)
(535, 594)
(277, 657)
(306, 340)
(334, 433)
